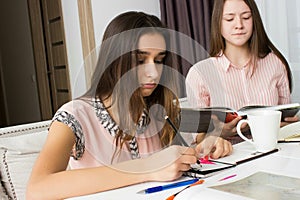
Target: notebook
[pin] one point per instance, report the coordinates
(242, 152)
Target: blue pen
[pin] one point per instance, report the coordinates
(170, 186)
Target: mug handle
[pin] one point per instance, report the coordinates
(238, 129)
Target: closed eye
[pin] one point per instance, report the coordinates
(159, 61)
(228, 18)
(140, 62)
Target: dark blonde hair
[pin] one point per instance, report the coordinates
(116, 58)
(259, 43)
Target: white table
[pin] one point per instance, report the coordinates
(284, 162)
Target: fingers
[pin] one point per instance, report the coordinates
(291, 119)
(215, 147)
(206, 146)
(235, 121)
(186, 150)
(229, 128)
(222, 148)
(187, 157)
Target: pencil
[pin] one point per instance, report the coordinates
(176, 131)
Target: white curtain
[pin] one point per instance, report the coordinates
(282, 23)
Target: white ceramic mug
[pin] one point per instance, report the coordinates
(264, 126)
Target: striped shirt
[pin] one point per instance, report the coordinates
(216, 82)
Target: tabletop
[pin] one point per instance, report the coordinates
(284, 162)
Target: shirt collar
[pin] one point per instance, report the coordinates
(226, 64)
(107, 121)
(223, 60)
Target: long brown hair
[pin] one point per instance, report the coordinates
(116, 59)
(259, 44)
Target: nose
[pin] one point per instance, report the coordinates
(151, 70)
(239, 23)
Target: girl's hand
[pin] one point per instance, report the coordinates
(213, 146)
(170, 163)
(289, 120)
(228, 129)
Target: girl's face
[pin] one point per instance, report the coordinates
(151, 53)
(237, 23)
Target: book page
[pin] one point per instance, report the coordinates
(288, 110)
(290, 132)
(242, 152)
(263, 185)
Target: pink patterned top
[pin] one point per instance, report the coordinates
(95, 135)
(216, 82)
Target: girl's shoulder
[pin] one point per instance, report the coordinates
(206, 63)
(77, 105)
(76, 102)
(272, 59)
(208, 66)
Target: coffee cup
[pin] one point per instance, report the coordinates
(264, 126)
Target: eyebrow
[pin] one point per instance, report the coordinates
(147, 53)
(245, 12)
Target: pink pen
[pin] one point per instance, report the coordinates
(228, 177)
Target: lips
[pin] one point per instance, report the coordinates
(239, 33)
(149, 85)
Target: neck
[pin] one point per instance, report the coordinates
(110, 109)
(238, 56)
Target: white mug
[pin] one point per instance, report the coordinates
(264, 126)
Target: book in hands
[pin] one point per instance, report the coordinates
(198, 120)
(287, 110)
(290, 133)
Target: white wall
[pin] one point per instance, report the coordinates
(282, 23)
(103, 13)
(74, 46)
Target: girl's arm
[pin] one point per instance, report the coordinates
(51, 180)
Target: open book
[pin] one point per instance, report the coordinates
(264, 185)
(199, 119)
(242, 152)
(290, 133)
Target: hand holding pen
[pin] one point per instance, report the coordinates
(212, 146)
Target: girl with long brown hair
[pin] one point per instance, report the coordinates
(245, 68)
(116, 134)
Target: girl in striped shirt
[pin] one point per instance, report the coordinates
(245, 68)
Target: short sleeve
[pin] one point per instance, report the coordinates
(73, 123)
